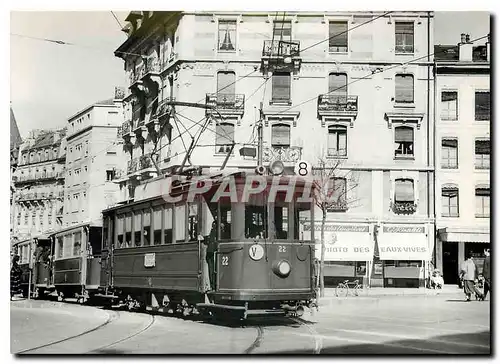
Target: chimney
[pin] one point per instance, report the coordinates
(488, 49)
(465, 48)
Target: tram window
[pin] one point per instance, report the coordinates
(78, 244)
(167, 225)
(137, 228)
(157, 226)
(180, 223)
(147, 227)
(302, 215)
(255, 222)
(225, 217)
(68, 245)
(59, 247)
(119, 232)
(281, 222)
(128, 231)
(193, 221)
(105, 230)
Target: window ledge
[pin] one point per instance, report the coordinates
(482, 168)
(479, 216)
(280, 102)
(398, 53)
(336, 157)
(450, 216)
(337, 53)
(404, 105)
(449, 168)
(412, 158)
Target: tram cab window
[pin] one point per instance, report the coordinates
(105, 232)
(119, 232)
(180, 223)
(128, 231)
(281, 212)
(59, 247)
(147, 227)
(68, 245)
(157, 226)
(78, 244)
(137, 228)
(225, 218)
(193, 221)
(302, 215)
(256, 217)
(167, 225)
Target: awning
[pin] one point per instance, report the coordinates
(403, 242)
(453, 235)
(345, 242)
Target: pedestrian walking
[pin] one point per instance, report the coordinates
(486, 273)
(15, 277)
(469, 275)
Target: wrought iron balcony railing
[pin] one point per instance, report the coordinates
(137, 75)
(145, 161)
(226, 101)
(329, 103)
(153, 65)
(404, 208)
(132, 165)
(279, 48)
(284, 154)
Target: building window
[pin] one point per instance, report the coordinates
(282, 30)
(337, 40)
(280, 135)
(337, 141)
(110, 174)
(224, 137)
(482, 155)
(227, 35)
(226, 88)
(337, 88)
(482, 105)
(404, 89)
(281, 87)
(403, 141)
(337, 194)
(449, 105)
(482, 202)
(404, 37)
(449, 153)
(404, 196)
(449, 202)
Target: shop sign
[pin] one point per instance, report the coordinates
(403, 243)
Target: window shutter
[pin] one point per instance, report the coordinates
(451, 143)
(338, 34)
(482, 147)
(404, 134)
(404, 88)
(482, 191)
(281, 86)
(404, 191)
(226, 83)
(280, 135)
(224, 134)
(404, 28)
(337, 87)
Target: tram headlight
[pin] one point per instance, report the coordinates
(282, 268)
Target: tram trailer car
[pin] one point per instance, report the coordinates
(24, 250)
(153, 253)
(43, 267)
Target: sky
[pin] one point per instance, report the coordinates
(51, 82)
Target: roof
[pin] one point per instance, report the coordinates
(43, 140)
(107, 102)
(15, 136)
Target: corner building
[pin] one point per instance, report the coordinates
(351, 97)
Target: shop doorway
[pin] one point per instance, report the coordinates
(450, 262)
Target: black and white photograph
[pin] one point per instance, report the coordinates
(233, 182)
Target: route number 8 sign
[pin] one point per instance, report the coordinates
(302, 168)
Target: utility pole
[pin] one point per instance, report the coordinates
(260, 131)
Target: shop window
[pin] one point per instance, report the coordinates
(280, 135)
(404, 89)
(449, 205)
(337, 40)
(449, 153)
(449, 105)
(404, 33)
(482, 154)
(482, 105)
(483, 202)
(227, 35)
(404, 197)
(403, 140)
(337, 141)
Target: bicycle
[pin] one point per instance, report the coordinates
(342, 288)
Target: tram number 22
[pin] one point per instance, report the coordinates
(225, 260)
(281, 248)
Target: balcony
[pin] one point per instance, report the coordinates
(280, 54)
(151, 76)
(132, 165)
(142, 166)
(283, 154)
(226, 104)
(404, 208)
(335, 107)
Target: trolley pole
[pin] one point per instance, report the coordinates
(260, 131)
